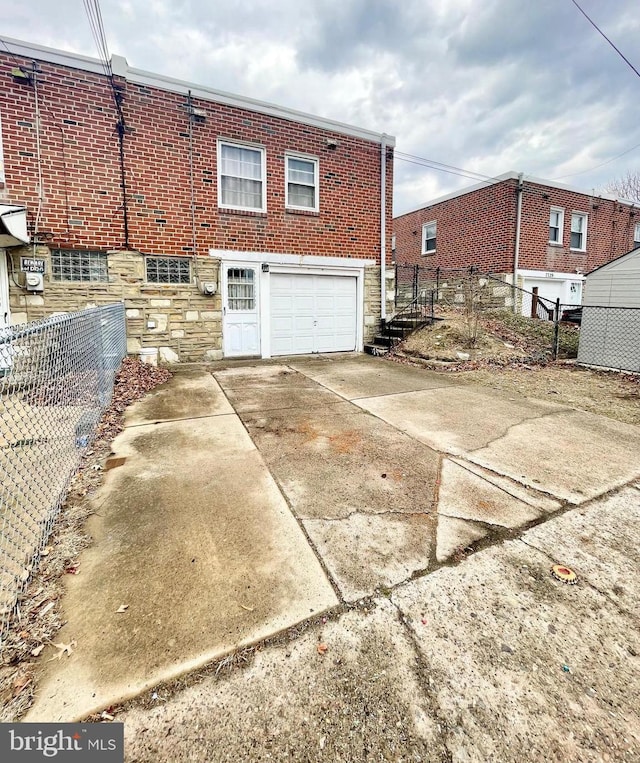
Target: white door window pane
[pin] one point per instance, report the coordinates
(241, 294)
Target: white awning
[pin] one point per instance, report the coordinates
(13, 225)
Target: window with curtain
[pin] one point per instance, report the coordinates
(241, 289)
(241, 176)
(636, 235)
(302, 183)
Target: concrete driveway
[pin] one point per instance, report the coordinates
(260, 496)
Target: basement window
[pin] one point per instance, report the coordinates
(168, 270)
(78, 265)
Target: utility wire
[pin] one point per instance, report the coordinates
(597, 28)
(602, 164)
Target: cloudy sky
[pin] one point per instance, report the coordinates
(483, 85)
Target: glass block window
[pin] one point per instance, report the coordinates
(78, 265)
(168, 270)
(241, 289)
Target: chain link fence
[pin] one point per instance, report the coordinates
(479, 294)
(56, 379)
(610, 337)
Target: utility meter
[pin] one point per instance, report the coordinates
(34, 282)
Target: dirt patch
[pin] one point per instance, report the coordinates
(513, 354)
(37, 618)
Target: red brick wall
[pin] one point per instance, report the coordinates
(466, 231)
(81, 171)
(478, 228)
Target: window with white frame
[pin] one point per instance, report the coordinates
(169, 270)
(579, 231)
(556, 223)
(241, 289)
(429, 238)
(636, 235)
(78, 265)
(302, 183)
(241, 177)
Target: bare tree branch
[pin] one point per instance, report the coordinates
(625, 187)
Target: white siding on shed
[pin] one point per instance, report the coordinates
(616, 284)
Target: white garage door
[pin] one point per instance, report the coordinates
(311, 313)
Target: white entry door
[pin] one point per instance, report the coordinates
(312, 313)
(240, 319)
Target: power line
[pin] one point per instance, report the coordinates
(597, 28)
(447, 168)
(602, 164)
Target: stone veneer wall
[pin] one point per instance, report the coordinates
(187, 326)
(183, 324)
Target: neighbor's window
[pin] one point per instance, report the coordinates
(241, 177)
(556, 223)
(174, 270)
(579, 231)
(241, 289)
(636, 235)
(78, 265)
(302, 183)
(429, 238)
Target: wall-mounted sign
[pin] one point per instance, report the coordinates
(31, 265)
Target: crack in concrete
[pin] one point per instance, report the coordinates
(506, 433)
(361, 512)
(540, 492)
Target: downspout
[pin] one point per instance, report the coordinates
(516, 251)
(383, 228)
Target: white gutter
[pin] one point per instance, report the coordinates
(516, 251)
(383, 227)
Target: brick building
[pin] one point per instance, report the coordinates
(550, 235)
(228, 226)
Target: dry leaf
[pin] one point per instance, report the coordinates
(36, 652)
(249, 609)
(322, 648)
(19, 682)
(122, 608)
(62, 650)
(44, 610)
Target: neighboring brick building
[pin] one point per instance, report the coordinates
(277, 212)
(563, 233)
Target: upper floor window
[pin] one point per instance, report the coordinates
(168, 270)
(302, 183)
(241, 177)
(636, 235)
(579, 231)
(429, 238)
(556, 223)
(78, 265)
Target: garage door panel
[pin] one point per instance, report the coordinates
(312, 313)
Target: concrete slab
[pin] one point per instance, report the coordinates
(272, 387)
(193, 535)
(573, 455)
(331, 462)
(453, 535)
(366, 376)
(516, 660)
(191, 393)
(528, 495)
(365, 553)
(466, 495)
(600, 544)
(361, 701)
(456, 420)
